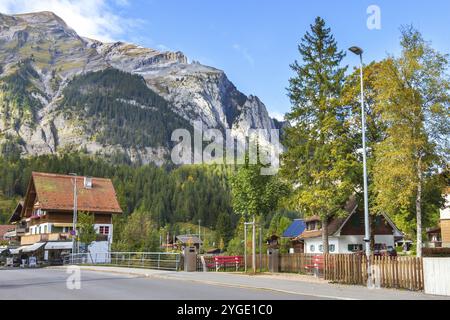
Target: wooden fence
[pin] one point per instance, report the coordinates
(388, 272)
(289, 263)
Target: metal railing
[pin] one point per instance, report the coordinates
(145, 260)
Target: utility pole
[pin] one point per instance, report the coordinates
(199, 234)
(75, 216)
(254, 244)
(245, 245)
(260, 248)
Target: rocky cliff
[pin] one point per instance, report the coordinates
(61, 92)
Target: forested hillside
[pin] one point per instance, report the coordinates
(119, 109)
(161, 196)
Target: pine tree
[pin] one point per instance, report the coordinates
(319, 161)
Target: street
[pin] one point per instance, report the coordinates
(107, 283)
(51, 285)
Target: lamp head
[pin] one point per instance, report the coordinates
(356, 50)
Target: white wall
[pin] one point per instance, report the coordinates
(99, 252)
(110, 236)
(317, 242)
(342, 242)
(437, 276)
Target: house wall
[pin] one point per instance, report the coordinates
(445, 233)
(341, 243)
(67, 217)
(445, 223)
(317, 242)
(110, 235)
(355, 225)
(445, 213)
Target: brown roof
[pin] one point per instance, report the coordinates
(55, 192)
(333, 225)
(4, 229)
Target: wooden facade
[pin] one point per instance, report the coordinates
(47, 211)
(445, 232)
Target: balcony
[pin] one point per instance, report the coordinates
(34, 238)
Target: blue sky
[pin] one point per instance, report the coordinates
(254, 41)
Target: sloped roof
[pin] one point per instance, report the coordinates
(5, 229)
(295, 229)
(189, 239)
(55, 192)
(15, 217)
(334, 224)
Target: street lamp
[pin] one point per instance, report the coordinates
(75, 214)
(359, 52)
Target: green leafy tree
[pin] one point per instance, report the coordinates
(254, 194)
(319, 161)
(414, 103)
(87, 233)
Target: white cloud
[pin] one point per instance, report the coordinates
(90, 18)
(244, 52)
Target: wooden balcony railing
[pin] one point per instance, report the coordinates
(34, 238)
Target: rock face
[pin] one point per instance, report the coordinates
(42, 59)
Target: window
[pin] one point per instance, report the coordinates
(332, 248)
(104, 230)
(355, 247)
(312, 248)
(321, 248)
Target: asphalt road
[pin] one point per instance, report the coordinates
(52, 285)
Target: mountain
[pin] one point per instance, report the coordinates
(61, 92)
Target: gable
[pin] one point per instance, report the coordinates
(355, 225)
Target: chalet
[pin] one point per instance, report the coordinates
(346, 235)
(46, 215)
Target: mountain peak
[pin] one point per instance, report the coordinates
(41, 17)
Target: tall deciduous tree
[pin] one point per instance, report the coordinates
(414, 103)
(319, 160)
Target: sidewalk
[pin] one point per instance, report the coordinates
(286, 283)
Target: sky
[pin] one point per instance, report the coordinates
(253, 41)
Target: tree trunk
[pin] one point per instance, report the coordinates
(419, 209)
(325, 242)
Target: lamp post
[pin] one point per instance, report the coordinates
(75, 214)
(359, 52)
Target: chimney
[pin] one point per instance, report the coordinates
(87, 182)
